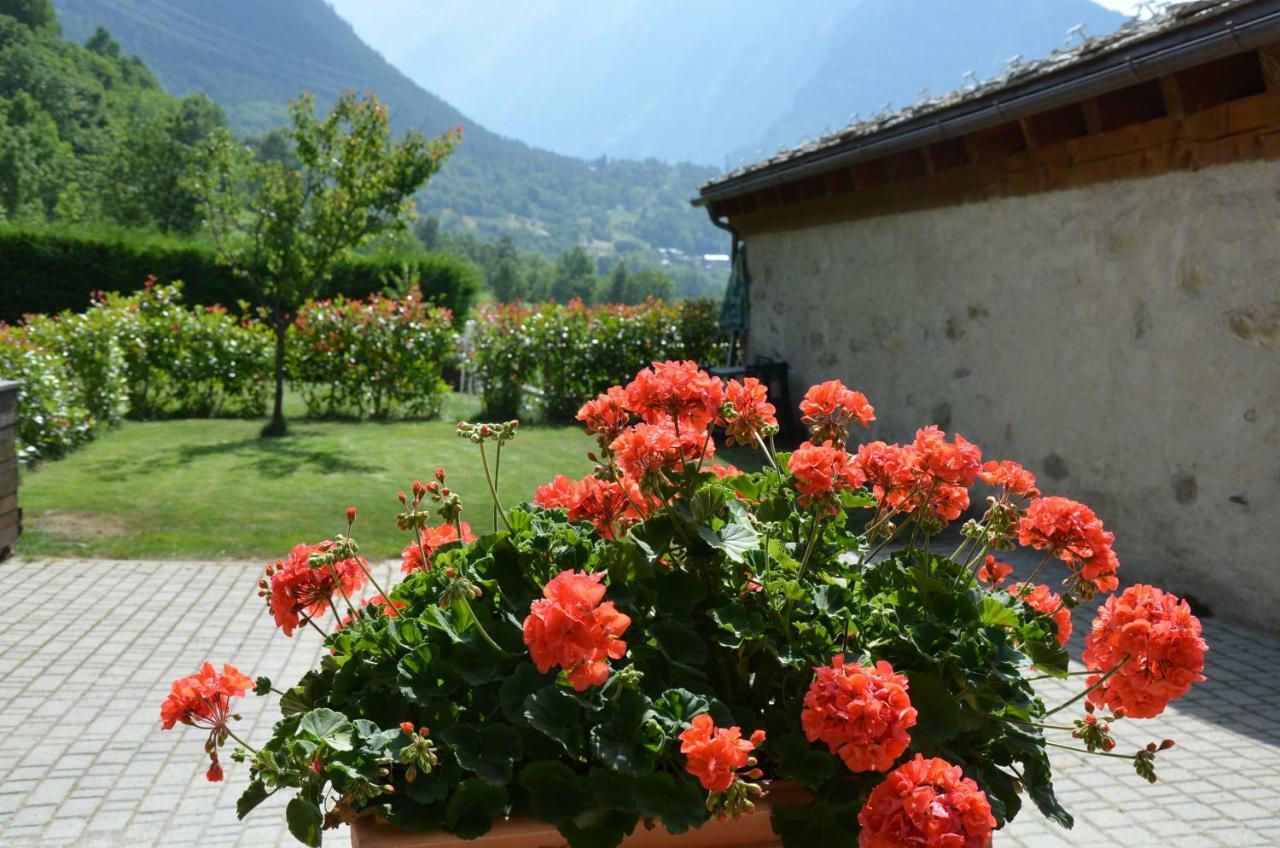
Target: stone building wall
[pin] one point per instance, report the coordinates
(1121, 340)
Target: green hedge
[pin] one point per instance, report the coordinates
(49, 271)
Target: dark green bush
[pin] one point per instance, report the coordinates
(49, 271)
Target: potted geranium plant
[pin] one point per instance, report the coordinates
(650, 654)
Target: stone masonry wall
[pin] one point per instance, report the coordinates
(1122, 341)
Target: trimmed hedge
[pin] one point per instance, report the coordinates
(49, 271)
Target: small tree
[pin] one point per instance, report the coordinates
(282, 222)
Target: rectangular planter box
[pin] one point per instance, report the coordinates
(753, 831)
(10, 514)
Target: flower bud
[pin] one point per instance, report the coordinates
(407, 727)
(351, 515)
(403, 500)
(1166, 744)
(440, 474)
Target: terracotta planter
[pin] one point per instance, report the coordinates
(751, 831)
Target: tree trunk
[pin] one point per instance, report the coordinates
(277, 426)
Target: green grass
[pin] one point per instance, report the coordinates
(212, 489)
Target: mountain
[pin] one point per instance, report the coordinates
(708, 81)
(890, 52)
(252, 56)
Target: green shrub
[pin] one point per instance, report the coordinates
(94, 363)
(575, 352)
(185, 360)
(505, 355)
(372, 357)
(51, 270)
(50, 421)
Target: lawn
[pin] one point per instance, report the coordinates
(212, 489)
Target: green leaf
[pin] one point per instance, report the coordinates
(995, 613)
(653, 537)
(936, 703)
(675, 708)
(598, 828)
(681, 803)
(473, 807)
(735, 538)
(254, 794)
(621, 744)
(414, 677)
(488, 750)
(819, 823)
(330, 727)
(559, 716)
(475, 661)
(801, 762)
(679, 643)
(555, 792)
(520, 684)
(304, 821)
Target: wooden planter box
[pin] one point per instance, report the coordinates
(753, 831)
(10, 515)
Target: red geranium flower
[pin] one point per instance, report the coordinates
(605, 504)
(433, 538)
(557, 494)
(926, 804)
(753, 415)
(297, 589)
(1015, 479)
(1070, 531)
(891, 470)
(1163, 645)
(646, 450)
(829, 408)
(822, 472)
(946, 469)
(676, 392)
(570, 627)
(203, 700)
(715, 754)
(993, 571)
(1045, 601)
(606, 416)
(862, 714)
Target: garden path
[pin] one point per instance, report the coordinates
(83, 763)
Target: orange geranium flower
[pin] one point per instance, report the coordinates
(569, 627)
(891, 470)
(926, 803)
(433, 538)
(1158, 641)
(1012, 477)
(203, 700)
(1045, 601)
(1071, 531)
(677, 392)
(753, 415)
(861, 713)
(606, 416)
(829, 408)
(993, 571)
(605, 504)
(297, 589)
(557, 494)
(715, 754)
(645, 451)
(822, 472)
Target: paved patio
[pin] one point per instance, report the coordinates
(83, 762)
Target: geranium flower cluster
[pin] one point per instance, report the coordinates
(930, 472)
(828, 409)
(927, 803)
(822, 472)
(430, 539)
(1146, 649)
(570, 628)
(203, 700)
(1070, 531)
(715, 755)
(1045, 601)
(862, 713)
(297, 591)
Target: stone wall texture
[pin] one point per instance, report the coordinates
(1122, 340)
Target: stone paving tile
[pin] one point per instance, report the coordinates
(83, 763)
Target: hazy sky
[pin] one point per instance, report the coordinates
(384, 24)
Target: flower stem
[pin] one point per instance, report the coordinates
(1100, 681)
(808, 551)
(488, 478)
(243, 744)
(497, 470)
(1086, 751)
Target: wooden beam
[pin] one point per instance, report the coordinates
(1028, 136)
(1173, 105)
(1092, 116)
(1270, 59)
(928, 160)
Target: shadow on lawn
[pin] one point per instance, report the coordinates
(277, 457)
